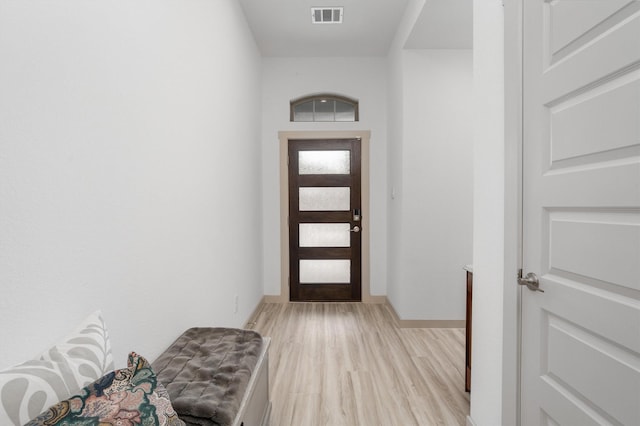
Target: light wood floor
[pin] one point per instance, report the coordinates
(334, 364)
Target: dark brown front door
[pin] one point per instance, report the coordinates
(325, 220)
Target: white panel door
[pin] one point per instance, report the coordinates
(581, 207)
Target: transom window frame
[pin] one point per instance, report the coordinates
(321, 98)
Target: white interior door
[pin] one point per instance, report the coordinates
(581, 207)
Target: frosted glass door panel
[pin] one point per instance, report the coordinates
(324, 199)
(325, 235)
(324, 162)
(325, 271)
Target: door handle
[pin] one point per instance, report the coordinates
(355, 229)
(531, 281)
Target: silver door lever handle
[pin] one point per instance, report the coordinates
(355, 229)
(531, 281)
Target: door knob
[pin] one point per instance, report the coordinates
(355, 229)
(531, 281)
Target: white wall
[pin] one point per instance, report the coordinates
(437, 190)
(129, 170)
(285, 79)
(431, 174)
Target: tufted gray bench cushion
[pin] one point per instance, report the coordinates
(206, 371)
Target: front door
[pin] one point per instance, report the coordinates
(325, 220)
(581, 208)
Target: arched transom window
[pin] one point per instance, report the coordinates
(324, 107)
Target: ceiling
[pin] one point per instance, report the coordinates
(284, 27)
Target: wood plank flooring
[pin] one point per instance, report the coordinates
(347, 364)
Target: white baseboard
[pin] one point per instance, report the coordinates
(470, 421)
(250, 322)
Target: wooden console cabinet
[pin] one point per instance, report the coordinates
(467, 381)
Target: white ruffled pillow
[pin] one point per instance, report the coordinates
(82, 357)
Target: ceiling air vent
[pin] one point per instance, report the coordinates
(326, 15)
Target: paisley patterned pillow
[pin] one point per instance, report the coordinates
(129, 396)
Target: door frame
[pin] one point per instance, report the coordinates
(513, 208)
(364, 136)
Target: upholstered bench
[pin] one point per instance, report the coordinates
(217, 377)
